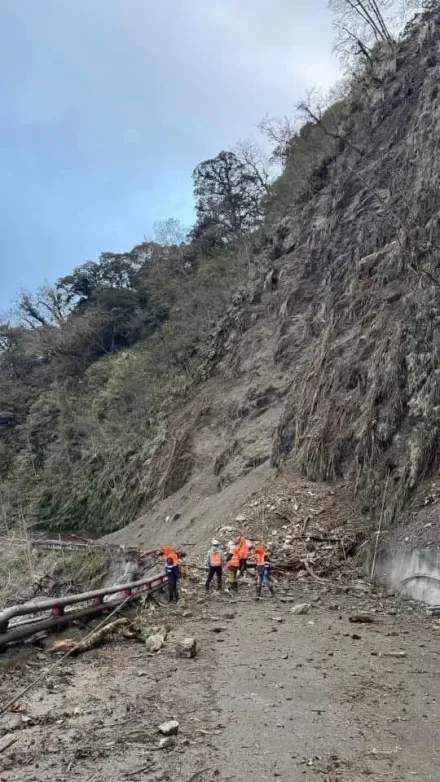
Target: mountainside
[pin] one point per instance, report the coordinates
(337, 369)
(326, 357)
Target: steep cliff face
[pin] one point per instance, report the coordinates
(361, 291)
(337, 369)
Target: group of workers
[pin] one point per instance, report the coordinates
(235, 560)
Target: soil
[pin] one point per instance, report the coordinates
(270, 695)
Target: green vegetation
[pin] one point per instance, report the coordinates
(26, 572)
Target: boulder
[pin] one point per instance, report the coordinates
(166, 742)
(186, 648)
(301, 608)
(169, 728)
(156, 639)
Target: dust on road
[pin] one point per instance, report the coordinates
(270, 695)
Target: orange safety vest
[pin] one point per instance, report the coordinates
(169, 553)
(260, 555)
(243, 549)
(235, 560)
(216, 558)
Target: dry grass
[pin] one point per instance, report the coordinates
(27, 572)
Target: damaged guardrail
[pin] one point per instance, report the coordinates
(59, 617)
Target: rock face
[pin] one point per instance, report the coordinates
(337, 370)
(360, 288)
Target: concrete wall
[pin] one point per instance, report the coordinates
(397, 567)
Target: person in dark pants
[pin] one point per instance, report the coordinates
(215, 565)
(263, 570)
(172, 570)
(243, 554)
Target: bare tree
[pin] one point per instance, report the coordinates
(327, 115)
(360, 25)
(280, 131)
(46, 307)
(256, 161)
(169, 232)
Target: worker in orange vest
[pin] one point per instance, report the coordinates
(263, 570)
(233, 566)
(172, 570)
(243, 553)
(214, 562)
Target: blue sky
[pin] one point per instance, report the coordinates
(108, 105)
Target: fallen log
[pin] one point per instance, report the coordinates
(120, 628)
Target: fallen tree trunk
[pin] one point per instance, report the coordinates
(120, 628)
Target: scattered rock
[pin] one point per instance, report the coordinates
(361, 619)
(278, 619)
(177, 515)
(156, 640)
(186, 648)
(226, 530)
(169, 728)
(240, 518)
(285, 657)
(301, 608)
(166, 742)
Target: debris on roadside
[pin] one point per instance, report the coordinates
(187, 648)
(120, 628)
(155, 639)
(361, 619)
(397, 655)
(166, 742)
(169, 728)
(301, 608)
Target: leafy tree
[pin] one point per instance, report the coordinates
(229, 194)
(114, 270)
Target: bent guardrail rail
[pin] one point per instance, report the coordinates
(73, 545)
(57, 606)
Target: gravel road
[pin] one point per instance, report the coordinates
(270, 695)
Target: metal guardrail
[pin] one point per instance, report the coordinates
(68, 545)
(59, 618)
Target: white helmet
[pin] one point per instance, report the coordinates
(215, 542)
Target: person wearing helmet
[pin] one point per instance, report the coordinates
(172, 570)
(263, 570)
(214, 562)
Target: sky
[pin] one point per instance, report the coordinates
(106, 107)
